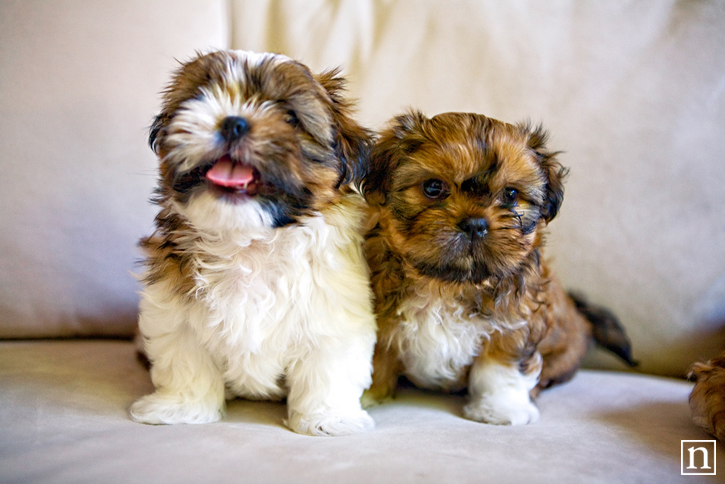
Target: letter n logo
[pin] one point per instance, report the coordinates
(698, 457)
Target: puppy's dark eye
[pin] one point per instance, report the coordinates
(290, 117)
(510, 197)
(435, 189)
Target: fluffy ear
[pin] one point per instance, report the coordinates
(155, 130)
(184, 83)
(403, 136)
(553, 170)
(351, 141)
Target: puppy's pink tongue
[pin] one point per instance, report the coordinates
(229, 174)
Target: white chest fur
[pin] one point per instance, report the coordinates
(249, 292)
(438, 338)
(262, 305)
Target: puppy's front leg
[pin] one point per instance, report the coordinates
(325, 389)
(499, 387)
(386, 370)
(189, 386)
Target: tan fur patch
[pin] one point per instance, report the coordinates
(707, 400)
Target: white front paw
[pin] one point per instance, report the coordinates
(502, 408)
(330, 423)
(160, 408)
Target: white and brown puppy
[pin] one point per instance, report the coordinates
(462, 293)
(255, 282)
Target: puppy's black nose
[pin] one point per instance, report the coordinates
(474, 227)
(233, 128)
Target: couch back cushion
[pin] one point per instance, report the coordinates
(79, 84)
(632, 92)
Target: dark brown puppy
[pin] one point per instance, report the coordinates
(462, 295)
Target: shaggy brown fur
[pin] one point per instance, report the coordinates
(462, 202)
(707, 400)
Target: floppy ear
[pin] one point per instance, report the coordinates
(554, 172)
(155, 131)
(403, 136)
(184, 83)
(351, 141)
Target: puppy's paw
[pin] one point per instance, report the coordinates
(502, 409)
(158, 409)
(330, 423)
(371, 398)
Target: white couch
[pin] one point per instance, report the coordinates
(633, 92)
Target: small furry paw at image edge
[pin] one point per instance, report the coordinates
(707, 400)
(255, 284)
(463, 296)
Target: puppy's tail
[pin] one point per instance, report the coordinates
(607, 331)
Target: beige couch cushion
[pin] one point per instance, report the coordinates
(632, 92)
(63, 420)
(79, 84)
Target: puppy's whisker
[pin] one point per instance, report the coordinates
(521, 223)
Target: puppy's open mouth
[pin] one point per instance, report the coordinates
(233, 176)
